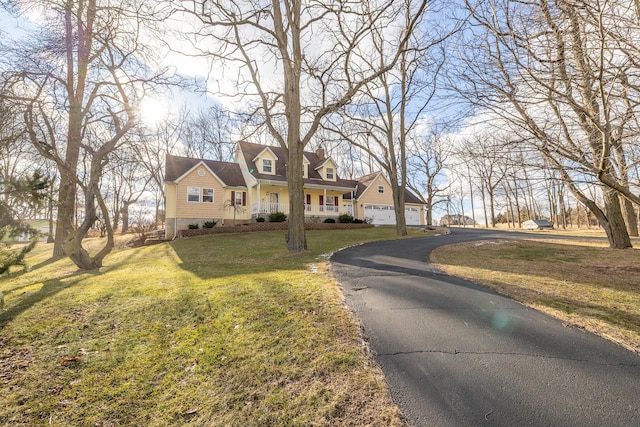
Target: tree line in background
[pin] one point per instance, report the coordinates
(516, 110)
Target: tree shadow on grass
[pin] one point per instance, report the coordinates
(49, 288)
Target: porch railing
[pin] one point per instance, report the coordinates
(309, 210)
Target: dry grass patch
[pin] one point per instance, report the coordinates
(585, 285)
(223, 330)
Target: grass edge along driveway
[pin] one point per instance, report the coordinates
(584, 284)
(225, 330)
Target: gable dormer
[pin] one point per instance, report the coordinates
(265, 162)
(327, 170)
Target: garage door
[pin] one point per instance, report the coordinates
(385, 215)
(412, 216)
(380, 214)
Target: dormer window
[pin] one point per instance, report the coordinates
(267, 166)
(330, 174)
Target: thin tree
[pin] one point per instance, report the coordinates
(391, 110)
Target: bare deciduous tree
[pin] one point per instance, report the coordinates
(427, 159)
(390, 111)
(558, 73)
(78, 84)
(299, 62)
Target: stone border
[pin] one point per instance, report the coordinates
(268, 226)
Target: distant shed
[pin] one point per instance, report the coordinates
(537, 224)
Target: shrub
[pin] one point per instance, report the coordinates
(358, 221)
(194, 226)
(209, 224)
(277, 217)
(260, 219)
(329, 221)
(345, 218)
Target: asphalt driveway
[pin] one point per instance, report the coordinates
(457, 354)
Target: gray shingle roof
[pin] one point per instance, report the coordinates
(364, 181)
(228, 172)
(251, 150)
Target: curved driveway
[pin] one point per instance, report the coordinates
(457, 354)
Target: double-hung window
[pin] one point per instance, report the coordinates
(330, 173)
(198, 194)
(193, 194)
(267, 166)
(207, 195)
(381, 189)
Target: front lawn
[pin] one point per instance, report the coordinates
(222, 330)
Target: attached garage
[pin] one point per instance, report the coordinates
(385, 215)
(373, 200)
(412, 216)
(380, 214)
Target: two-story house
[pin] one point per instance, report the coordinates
(265, 171)
(255, 185)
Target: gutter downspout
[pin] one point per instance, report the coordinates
(175, 217)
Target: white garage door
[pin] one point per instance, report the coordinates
(412, 216)
(385, 215)
(380, 214)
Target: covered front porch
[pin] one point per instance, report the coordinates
(325, 210)
(319, 202)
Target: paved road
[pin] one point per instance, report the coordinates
(457, 354)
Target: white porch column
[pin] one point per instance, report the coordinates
(324, 201)
(258, 199)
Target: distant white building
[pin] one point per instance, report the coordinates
(537, 224)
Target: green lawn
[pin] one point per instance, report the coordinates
(221, 330)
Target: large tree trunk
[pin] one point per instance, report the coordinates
(616, 228)
(297, 240)
(611, 219)
(630, 217)
(429, 212)
(398, 204)
(68, 185)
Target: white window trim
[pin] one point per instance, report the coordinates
(212, 194)
(381, 189)
(330, 175)
(191, 192)
(264, 169)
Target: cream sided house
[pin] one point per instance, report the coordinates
(255, 185)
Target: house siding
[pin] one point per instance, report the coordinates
(372, 197)
(186, 209)
(243, 213)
